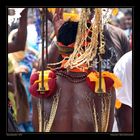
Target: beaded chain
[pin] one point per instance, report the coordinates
(72, 78)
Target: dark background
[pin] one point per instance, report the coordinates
(67, 3)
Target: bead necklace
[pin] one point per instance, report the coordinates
(72, 77)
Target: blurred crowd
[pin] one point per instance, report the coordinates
(123, 20)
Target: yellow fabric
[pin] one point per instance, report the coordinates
(52, 10)
(10, 66)
(46, 78)
(117, 104)
(11, 95)
(18, 56)
(66, 16)
(71, 16)
(94, 76)
(117, 81)
(12, 100)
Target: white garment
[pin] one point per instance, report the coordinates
(115, 126)
(123, 69)
(31, 34)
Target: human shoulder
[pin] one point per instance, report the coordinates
(11, 35)
(114, 29)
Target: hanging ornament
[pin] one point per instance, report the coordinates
(49, 83)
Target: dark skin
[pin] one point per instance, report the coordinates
(128, 21)
(73, 112)
(124, 118)
(58, 19)
(20, 40)
(11, 82)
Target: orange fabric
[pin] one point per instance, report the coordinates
(62, 45)
(117, 81)
(84, 66)
(65, 55)
(94, 78)
(76, 69)
(117, 104)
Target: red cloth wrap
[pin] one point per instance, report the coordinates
(108, 83)
(34, 86)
